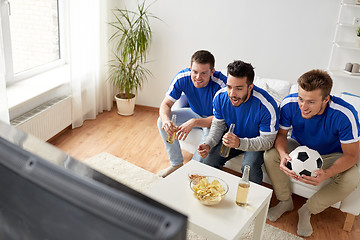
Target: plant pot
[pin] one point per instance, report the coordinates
(358, 42)
(125, 106)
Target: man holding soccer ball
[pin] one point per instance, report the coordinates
(326, 124)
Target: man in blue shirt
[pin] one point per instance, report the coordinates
(199, 83)
(255, 115)
(324, 123)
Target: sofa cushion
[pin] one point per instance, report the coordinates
(277, 88)
(294, 88)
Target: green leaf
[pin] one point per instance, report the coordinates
(131, 40)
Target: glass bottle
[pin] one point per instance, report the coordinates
(171, 138)
(243, 188)
(224, 150)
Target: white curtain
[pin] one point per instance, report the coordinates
(91, 92)
(4, 112)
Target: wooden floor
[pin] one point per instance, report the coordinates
(136, 139)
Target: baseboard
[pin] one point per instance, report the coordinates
(147, 108)
(144, 107)
(65, 130)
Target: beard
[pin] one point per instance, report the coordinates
(238, 101)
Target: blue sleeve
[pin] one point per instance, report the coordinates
(348, 127)
(270, 118)
(217, 108)
(175, 89)
(285, 116)
(222, 77)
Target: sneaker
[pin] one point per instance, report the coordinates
(165, 172)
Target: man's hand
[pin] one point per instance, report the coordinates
(320, 177)
(185, 128)
(231, 140)
(203, 150)
(284, 158)
(169, 127)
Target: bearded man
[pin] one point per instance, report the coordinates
(255, 115)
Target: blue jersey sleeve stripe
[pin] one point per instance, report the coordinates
(288, 100)
(171, 98)
(218, 81)
(267, 133)
(218, 92)
(349, 115)
(350, 141)
(283, 127)
(177, 77)
(218, 118)
(269, 107)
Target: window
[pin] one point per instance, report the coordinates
(32, 36)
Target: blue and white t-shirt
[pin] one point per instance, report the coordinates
(200, 99)
(338, 124)
(258, 114)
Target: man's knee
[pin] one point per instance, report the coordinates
(210, 161)
(253, 159)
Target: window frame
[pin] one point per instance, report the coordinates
(12, 78)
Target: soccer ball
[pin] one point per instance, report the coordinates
(304, 161)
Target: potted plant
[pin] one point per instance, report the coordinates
(130, 41)
(358, 36)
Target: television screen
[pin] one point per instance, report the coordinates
(46, 194)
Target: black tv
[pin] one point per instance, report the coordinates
(47, 194)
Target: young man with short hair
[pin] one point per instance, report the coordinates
(255, 115)
(199, 83)
(326, 124)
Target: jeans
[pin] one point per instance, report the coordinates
(253, 159)
(174, 150)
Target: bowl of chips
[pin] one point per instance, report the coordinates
(209, 190)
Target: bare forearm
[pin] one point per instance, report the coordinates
(281, 144)
(203, 122)
(340, 165)
(164, 112)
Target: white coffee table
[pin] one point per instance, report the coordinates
(223, 221)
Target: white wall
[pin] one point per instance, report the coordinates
(281, 38)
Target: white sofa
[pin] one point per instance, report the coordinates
(279, 89)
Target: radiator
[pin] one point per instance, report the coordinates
(46, 120)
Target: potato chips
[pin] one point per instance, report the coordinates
(209, 193)
(193, 176)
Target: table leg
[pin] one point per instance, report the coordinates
(260, 221)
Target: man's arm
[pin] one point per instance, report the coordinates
(349, 158)
(281, 145)
(186, 127)
(216, 131)
(164, 112)
(203, 122)
(260, 143)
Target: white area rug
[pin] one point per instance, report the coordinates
(139, 179)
